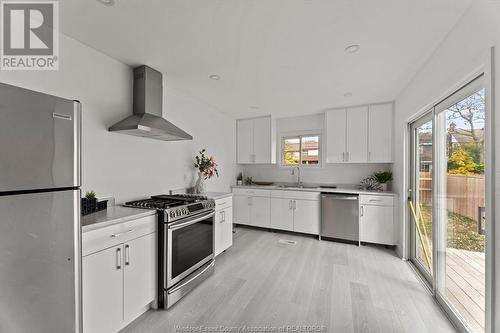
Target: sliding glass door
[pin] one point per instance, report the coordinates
(448, 203)
(461, 204)
(421, 197)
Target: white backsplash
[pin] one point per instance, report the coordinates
(328, 174)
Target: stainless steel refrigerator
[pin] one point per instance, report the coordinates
(39, 212)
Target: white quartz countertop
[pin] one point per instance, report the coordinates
(339, 189)
(113, 215)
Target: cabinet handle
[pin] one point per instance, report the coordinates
(118, 258)
(347, 156)
(343, 156)
(362, 211)
(222, 217)
(294, 205)
(127, 255)
(121, 233)
(249, 201)
(290, 205)
(369, 156)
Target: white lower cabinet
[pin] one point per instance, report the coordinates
(376, 219)
(282, 214)
(223, 225)
(295, 211)
(307, 216)
(118, 282)
(252, 207)
(260, 211)
(278, 209)
(241, 209)
(102, 285)
(139, 278)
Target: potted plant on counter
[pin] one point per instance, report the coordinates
(384, 178)
(89, 203)
(207, 168)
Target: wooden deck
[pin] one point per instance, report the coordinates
(465, 285)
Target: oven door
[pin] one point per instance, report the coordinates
(190, 244)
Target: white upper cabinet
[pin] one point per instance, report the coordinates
(357, 135)
(244, 130)
(262, 143)
(361, 134)
(335, 135)
(256, 141)
(380, 122)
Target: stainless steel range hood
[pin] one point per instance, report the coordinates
(147, 120)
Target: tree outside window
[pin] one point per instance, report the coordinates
(301, 150)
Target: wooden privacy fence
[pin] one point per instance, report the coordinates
(466, 193)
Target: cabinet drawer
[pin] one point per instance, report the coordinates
(299, 195)
(99, 239)
(252, 192)
(378, 200)
(223, 203)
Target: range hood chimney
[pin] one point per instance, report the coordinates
(147, 120)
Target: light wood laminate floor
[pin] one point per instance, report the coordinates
(260, 282)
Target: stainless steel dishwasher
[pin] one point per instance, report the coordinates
(340, 217)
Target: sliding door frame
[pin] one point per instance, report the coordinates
(413, 191)
(487, 71)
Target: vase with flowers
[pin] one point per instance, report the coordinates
(207, 168)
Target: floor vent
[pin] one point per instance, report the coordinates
(287, 242)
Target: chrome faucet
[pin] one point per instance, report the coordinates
(299, 180)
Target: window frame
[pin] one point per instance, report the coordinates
(300, 135)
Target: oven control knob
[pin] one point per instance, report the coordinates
(186, 211)
(172, 214)
(178, 212)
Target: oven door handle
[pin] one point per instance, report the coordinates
(173, 290)
(193, 221)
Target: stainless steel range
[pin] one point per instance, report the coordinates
(185, 243)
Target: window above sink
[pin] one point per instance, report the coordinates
(302, 150)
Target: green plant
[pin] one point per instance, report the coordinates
(90, 195)
(383, 176)
(206, 165)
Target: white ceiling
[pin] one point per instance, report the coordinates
(285, 57)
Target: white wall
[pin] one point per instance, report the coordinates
(328, 173)
(129, 167)
(465, 49)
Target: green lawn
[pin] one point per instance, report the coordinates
(462, 231)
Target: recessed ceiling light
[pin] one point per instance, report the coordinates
(348, 94)
(107, 2)
(214, 77)
(352, 48)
